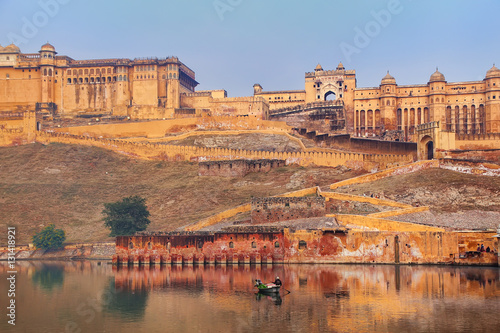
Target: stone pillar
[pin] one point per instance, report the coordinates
(200, 259)
(235, 259)
(155, 259)
(269, 260)
(258, 259)
(177, 260)
(246, 259)
(166, 259)
(223, 259)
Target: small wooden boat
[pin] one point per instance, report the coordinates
(268, 288)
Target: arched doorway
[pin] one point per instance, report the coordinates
(330, 96)
(426, 148)
(429, 147)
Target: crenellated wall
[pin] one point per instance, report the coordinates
(276, 209)
(199, 154)
(237, 168)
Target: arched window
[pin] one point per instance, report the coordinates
(175, 75)
(92, 71)
(231, 245)
(276, 244)
(45, 72)
(124, 77)
(388, 103)
(80, 72)
(50, 71)
(163, 77)
(254, 245)
(74, 80)
(109, 78)
(74, 71)
(69, 81)
(302, 245)
(86, 71)
(109, 70)
(68, 72)
(170, 75)
(80, 80)
(130, 245)
(86, 80)
(119, 77)
(150, 246)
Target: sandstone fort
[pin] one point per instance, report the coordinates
(138, 106)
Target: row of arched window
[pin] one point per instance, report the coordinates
(145, 68)
(97, 79)
(90, 71)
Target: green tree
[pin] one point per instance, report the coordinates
(49, 238)
(127, 216)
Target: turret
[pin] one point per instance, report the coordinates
(47, 63)
(388, 102)
(257, 88)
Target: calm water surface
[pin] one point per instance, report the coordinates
(90, 296)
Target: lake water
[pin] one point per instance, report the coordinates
(91, 296)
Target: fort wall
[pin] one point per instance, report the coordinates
(276, 209)
(237, 168)
(199, 154)
(258, 246)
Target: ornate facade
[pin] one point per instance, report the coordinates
(63, 85)
(152, 88)
(461, 107)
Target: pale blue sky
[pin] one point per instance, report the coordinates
(232, 44)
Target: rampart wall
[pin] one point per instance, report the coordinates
(307, 246)
(276, 209)
(199, 154)
(237, 168)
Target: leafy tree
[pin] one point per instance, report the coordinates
(127, 216)
(49, 238)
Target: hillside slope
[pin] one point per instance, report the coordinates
(68, 184)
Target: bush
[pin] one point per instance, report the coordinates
(127, 216)
(49, 238)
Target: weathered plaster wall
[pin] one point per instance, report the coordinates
(275, 209)
(308, 246)
(237, 168)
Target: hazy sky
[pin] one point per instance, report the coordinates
(232, 44)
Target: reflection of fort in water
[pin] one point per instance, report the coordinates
(337, 280)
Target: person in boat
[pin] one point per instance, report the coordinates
(277, 281)
(259, 284)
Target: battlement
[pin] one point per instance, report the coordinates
(237, 168)
(331, 72)
(276, 209)
(200, 154)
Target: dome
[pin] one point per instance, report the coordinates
(388, 79)
(493, 72)
(437, 77)
(340, 67)
(48, 47)
(11, 49)
(318, 68)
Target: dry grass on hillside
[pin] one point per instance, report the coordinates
(68, 184)
(442, 190)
